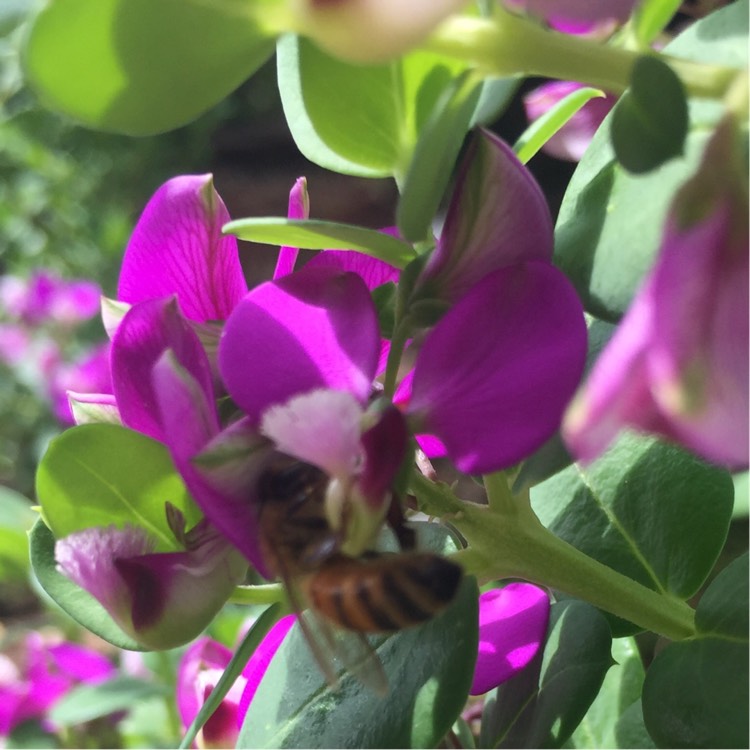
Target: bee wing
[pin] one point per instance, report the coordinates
(351, 649)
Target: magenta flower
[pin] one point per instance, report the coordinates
(577, 16)
(573, 138)
(177, 248)
(677, 365)
(46, 298)
(40, 674)
(200, 669)
(493, 377)
(160, 599)
(512, 628)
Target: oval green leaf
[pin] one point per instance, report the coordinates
(647, 509)
(434, 157)
(358, 119)
(429, 671)
(545, 702)
(89, 702)
(314, 234)
(610, 222)
(710, 707)
(650, 123)
(76, 602)
(141, 66)
(620, 690)
(104, 474)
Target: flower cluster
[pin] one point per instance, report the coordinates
(39, 317)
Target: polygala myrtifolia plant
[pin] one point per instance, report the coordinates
(275, 445)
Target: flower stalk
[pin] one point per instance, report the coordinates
(507, 540)
(508, 44)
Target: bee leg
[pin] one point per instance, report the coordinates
(406, 537)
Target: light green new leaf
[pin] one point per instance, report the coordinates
(544, 127)
(104, 474)
(313, 234)
(143, 66)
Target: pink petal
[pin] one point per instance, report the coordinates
(260, 661)
(315, 328)
(512, 628)
(149, 329)
(493, 377)
(223, 486)
(299, 208)
(497, 217)
(177, 248)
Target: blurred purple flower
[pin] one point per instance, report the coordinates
(88, 374)
(677, 365)
(572, 139)
(15, 343)
(40, 674)
(47, 298)
(512, 628)
(577, 16)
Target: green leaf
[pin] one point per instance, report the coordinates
(16, 519)
(651, 18)
(358, 119)
(76, 602)
(544, 703)
(143, 66)
(544, 127)
(647, 509)
(709, 708)
(610, 223)
(313, 234)
(429, 670)
(240, 658)
(620, 690)
(650, 123)
(103, 474)
(631, 731)
(434, 157)
(88, 702)
(741, 495)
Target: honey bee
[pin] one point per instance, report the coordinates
(374, 593)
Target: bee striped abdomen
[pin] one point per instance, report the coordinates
(384, 593)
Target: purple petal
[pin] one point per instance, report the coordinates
(200, 669)
(260, 661)
(493, 377)
(575, 16)
(222, 484)
(678, 363)
(146, 332)
(299, 208)
(497, 217)
(384, 445)
(573, 138)
(177, 248)
(81, 664)
(373, 271)
(312, 329)
(162, 600)
(512, 627)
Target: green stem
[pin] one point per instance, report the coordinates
(269, 593)
(509, 45)
(507, 540)
(398, 342)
